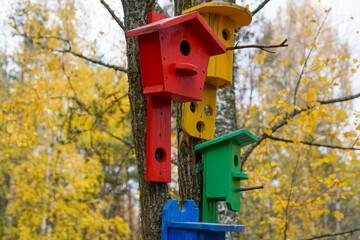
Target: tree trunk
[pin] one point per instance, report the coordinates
(153, 195)
(190, 177)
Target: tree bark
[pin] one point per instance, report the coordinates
(153, 195)
(190, 176)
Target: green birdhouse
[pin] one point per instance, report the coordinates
(222, 172)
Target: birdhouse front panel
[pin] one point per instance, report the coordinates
(174, 56)
(198, 117)
(184, 63)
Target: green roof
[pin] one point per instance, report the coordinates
(242, 137)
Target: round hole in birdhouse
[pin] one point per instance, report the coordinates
(208, 110)
(200, 126)
(236, 160)
(184, 48)
(192, 107)
(159, 154)
(226, 34)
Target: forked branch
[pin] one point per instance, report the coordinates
(285, 121)
(263, 47)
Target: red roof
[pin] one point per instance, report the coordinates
(203, 29)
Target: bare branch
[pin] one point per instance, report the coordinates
(285, 119)
(118, 138)
(260, 7)
(337, 100)
(112, 13)
(332, 234)
(69, 50)
(261, 46)
(42, 37)
(314, 144)
(96, 61)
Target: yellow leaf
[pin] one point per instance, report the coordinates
(247, 6)
(283, 93)
(268, 132)
(313, 20)
(301, 62)
(343, 195)
(332, 176)
(353, 70)
(305, 189)
(335, 84)
(293, 74)
(355, 60)
(313, 45)
(332, 69)
(283, 61)
(304, 81)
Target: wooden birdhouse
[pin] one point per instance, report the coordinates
(174, 56)
(184, 224)
(222, 171)
(223, 18)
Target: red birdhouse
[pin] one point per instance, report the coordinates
(174, 55)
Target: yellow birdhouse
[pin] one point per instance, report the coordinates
(223, 18)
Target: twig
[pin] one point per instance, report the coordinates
(332, 234)
(314, 144)
(96, 61)
(112, 13)
(261, 46)
(118, 138)
(69, 50)
(307, 58)
(260, 7)
(289, 196)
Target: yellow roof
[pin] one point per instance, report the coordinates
(240, 15)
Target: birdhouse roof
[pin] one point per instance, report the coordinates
(242, 137)
(241, 16)
(195, 20)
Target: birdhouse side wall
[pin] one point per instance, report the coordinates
(219, 71)
(233, 198)
(151, 63)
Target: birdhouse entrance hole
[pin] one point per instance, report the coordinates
(192, 106)
(200, 126)
(207, 110)
(184, 48)
(236, 161)
(225, 34)
(159, 154)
